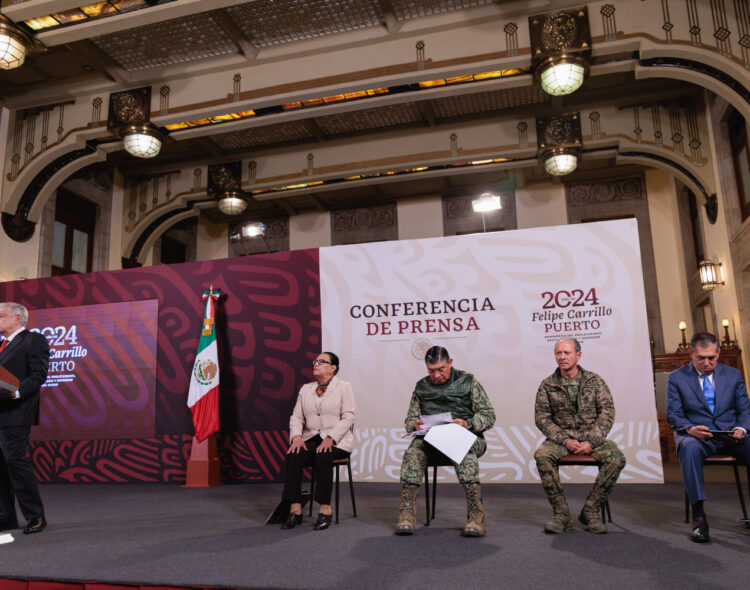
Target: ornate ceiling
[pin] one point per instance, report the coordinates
(285, 56)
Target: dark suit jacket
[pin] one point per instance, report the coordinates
(27, 357)
(686, 405)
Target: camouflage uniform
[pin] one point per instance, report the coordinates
(584, 412)
(475, 408)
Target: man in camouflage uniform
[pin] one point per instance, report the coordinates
(575, 411)
(446, 389)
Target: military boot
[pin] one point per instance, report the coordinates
(407, 509)
(475, 526)
(561, 519)
(591, 512)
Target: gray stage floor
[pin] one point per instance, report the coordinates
(164, 534)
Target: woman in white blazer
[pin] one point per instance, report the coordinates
(319, 432)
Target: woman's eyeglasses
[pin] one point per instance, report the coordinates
(321, 362)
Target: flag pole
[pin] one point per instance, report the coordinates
(203, 466)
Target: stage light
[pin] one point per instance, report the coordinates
(486, 202)
(253, 230)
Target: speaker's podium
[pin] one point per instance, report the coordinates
(8, 383)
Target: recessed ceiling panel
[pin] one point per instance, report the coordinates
(172, 42)
(273, 22)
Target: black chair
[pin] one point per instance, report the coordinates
(435, 459)
(587, 461)
(336, 464)
(726, 460)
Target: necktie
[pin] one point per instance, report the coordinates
(3, 344)
(709, 393)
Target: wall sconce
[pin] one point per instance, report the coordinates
(559, 143)
(711, 275)
(129, 113)
(684, 346)
(560, 49)
(224, 182)
(14, 45)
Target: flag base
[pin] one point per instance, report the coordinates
(203, 467)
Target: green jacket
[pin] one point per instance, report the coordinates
(559, 420)
(462, 395)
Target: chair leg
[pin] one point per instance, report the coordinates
(434, 489)
(337, 492)
(351, 487)
(687, 508)
(606, 513)
(739, 491)
(427, 493)
(312, 486)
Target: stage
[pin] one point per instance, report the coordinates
(165, 534)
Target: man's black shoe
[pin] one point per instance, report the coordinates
(699, 534)
(35, 525)
(8, 525)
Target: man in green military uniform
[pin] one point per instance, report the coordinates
(446, 389)
(575, 411)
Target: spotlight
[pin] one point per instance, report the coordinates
(486, 202)
(253, 230)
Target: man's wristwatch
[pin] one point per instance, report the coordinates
(470, 424)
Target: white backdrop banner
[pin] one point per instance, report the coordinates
(498, 302)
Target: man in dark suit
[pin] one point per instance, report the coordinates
(702, 397)
(26, 355)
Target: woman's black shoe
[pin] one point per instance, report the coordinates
(323, 522)
(292, 521)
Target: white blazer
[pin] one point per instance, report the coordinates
(331, 414)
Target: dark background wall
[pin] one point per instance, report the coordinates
(268, 330)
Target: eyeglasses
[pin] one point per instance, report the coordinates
(321, 362)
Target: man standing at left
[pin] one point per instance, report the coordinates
(26, 355)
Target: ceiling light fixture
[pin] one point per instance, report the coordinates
(142, 141)
(14, 45)
(559, 143)
(560, 49)
(232, 203)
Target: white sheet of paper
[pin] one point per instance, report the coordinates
(452, 440)
(430, 420)
(6, 538)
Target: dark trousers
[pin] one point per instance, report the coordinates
(323, 462)
(17, 479)
(691, 453)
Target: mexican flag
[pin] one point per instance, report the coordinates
(203, 396)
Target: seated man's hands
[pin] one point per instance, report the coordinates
(460, 422)
(578, 448)
(700, 432)
(297, 445)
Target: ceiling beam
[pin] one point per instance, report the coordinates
(90, 52)
(314, 129)
(236, 34)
